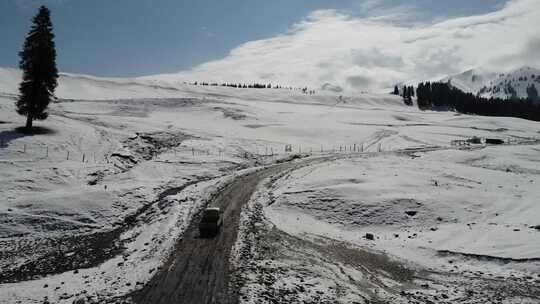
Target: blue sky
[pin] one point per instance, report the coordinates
(141, 37)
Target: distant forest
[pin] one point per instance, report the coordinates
(304, 90)
(442, 96)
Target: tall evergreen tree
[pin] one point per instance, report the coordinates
(38, 63)
(396, 90)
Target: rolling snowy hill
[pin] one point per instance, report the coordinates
(74, 86)
(492, 84)
(124, 166)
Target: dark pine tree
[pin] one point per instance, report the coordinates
(38, 63)
(532, 93)
(396, 90)
(407, 96)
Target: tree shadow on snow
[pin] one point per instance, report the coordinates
(7, 136)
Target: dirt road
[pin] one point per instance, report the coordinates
(198, 271)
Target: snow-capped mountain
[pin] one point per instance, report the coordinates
(491, 84)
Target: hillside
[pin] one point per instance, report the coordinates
(124, 166)
(492, 84)
(74, 86)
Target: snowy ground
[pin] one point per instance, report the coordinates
(155, 152)
(481, 202)
(448, 226)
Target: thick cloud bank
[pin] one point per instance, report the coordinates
(374, 53)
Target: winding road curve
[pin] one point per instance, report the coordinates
(198, 271)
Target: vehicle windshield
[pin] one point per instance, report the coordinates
(210, 215)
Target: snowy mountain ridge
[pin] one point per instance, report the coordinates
(499, 85)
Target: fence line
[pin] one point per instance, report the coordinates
(41, 151)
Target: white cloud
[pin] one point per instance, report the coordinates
(375, 53)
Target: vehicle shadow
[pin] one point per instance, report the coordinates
(206, 236)
(7, 136)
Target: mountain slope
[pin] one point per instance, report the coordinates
(74, 86)
(85, 87)
(501, 85)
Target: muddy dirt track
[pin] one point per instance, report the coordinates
(198, 270)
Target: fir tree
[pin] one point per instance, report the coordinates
(407, 96)
(532, 93)
(38, 63)
(396, 90)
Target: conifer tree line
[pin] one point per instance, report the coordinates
(252, 86)
(237, 85)
(407, 94)
(442, 96)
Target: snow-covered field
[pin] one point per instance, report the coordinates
(93, 204)
(482, 202)
(457, 226)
